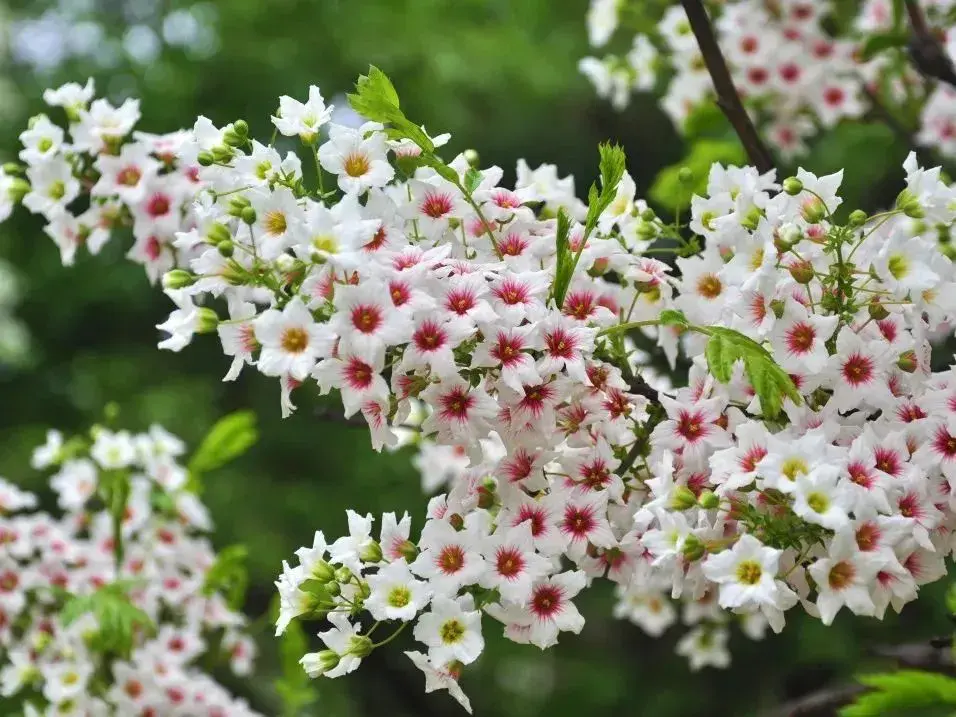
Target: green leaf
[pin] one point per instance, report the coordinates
(228, 439)
(472, 180)
(375, 99)
(228, 575)
(770, 382)
(444, 171)
(882, 41)
(564, 264)
(116, 617)
(612, 164)
(668, 191)
(673, 317)
(902, 692)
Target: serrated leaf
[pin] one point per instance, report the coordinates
(116, 617)
(612, 164)
(903, 692)
(770, 382)
(376, 99)
(228, 439)
(443, 170)
(673, 317)
(472, 180)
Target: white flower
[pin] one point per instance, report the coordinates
(396, 594)
(302, 120)
(291, 341)
(452, 631)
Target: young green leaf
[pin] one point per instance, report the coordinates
(228, 575)
(611, 165)
(904, 692)
(375, 99)
(770, 382)
(228, 439)
(116, 617)
(564, 260)
(472, 180)
(673, 317)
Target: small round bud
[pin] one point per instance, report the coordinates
(232, 138)
(685, 175)
(708, 500)
(693, 548)
(207, 321)
(683, 498)
(877, 311)
(248, 215)
(12, 168)
(908, 362)
(857, 218)
(813, 210)
(222, 153)
(792, 186)
(914, 210)
(648, 215)
(205, 159)
(471, 156)
(178, 279)
(18, 189)
(371, 553)
(802, 272)
(408, 550)
(343, 574)
(360, 646)
(241, 127)
(646, 230)
(226, 248)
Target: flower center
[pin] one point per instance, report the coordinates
(399, 596)
(294, 340)
(749, 572)
(275, 223)
(356, 164)
(709, 286)
(452, 631)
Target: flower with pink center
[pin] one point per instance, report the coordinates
(462, 413)
(464, 296)
(433, 341)
(844, 577)
(433, 203)
(507, 349)
(736, 467)
(799, 339)
(449, 558)
(582, 518)
(358, 381)
(291, 341)
(550, 610)
(564, 346)
(858, 373)
(366, 320)
(692, 428)
(394, 538)
(541, 516)
(515, 297)
(512, 563)
(238, 337)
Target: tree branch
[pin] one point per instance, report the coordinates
(927, 52)
(727, 97)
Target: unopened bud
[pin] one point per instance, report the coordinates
(18, 189)
(206, 320)
(914, 210)
(792, 186)
(178, 279)
(683, 498)
(648, 215)
(222, 154)
(877, 311)
(226, 248)
(685, 175)
(857, 218)
(333, 589)
(233, 138)
(371, 553)
(408, 550)
(241, 128)
(360, 646)
(471, 156)
(802, 272)
(456, 521)
(328, 660)
(12, 168)
(205, 159)
(777, 306)
(908, 362)
(217, 233)
(323, 572)
(646, 230)
(693, 548)
(813, 210)
(248, 215)
(708, 500)
(343, 574)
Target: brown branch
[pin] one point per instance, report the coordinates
(818, 704)
(728, 99)
(927, 52)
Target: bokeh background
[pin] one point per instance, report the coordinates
(501, 76)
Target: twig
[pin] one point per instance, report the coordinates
(927, 52)
(818, 704)
(727, 97)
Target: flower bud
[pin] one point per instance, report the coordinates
(241, 127)
(693, 548)
(205, 159)
(471, 156)
(456, 521)
(857, 218)
(226, 248)
(802, 272)
(328, 660)
(178, 279)
(218, 232)
(12, 168)
(708, 500)
(907, 361)
(646, 230)
(777, 306)
(371, 553)
(343, 574)
(248, 215)
(877, 311)
(914, 210)
(648, 215)
(813, 210)
(685, 175)
(18, 189)
(408, 550)
(360, 646)
(232, 138)
(323, 572)
(792, 186)
(222, 153)
(207, 320)
(683, 498)
(333, 589)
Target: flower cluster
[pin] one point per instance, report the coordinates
(799, 65)
(107, 607)
(807, 460)
(98, 177)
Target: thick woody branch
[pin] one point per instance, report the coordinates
(727, 97)
(927, 52)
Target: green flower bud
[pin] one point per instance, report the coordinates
(752, 219)
(646, 230)
(18, 189)
(371, 553)
(683, 498)
(708, 500)
(248, 215)
(232, 138)
(408, 550)
(333, 589)
(13, 168)
(792, 186)
(813, 210)
(648, 215)
(693, 548)
(241, 128)
(205, 159)
(207, 320)
(802, 272)
(914, 210)
(178, 279)
(360, 646)
(222, 153)
(217, 233)
(685, 175)
(328, 660)
(226, 248)
(908, 362)
(857, 218)
(777, 307)
(877, 311)
(343, 574)
(471, 156)
(323, 572)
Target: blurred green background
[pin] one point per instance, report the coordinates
(501, 76)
